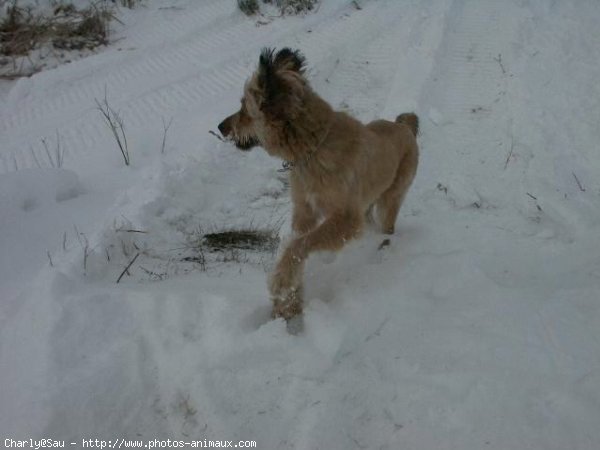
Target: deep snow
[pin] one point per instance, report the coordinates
(478, 326)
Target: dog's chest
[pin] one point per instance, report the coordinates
(307, 192)
(322, 193)
(320, 201)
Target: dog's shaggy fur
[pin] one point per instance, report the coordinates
(340, 168)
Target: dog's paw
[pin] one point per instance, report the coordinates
(287, 304)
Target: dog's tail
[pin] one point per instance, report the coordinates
(410, 119)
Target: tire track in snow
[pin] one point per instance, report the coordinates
(467, 98)
(378, 56)
(155, 69)
(469, 142)
(88, 129)
(178, 21)
(369, 60)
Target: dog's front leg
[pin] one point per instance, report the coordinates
(286, 280)
(285, 284)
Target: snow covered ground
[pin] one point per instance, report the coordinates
(478, 327)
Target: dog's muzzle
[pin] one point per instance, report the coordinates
(243, 143)
(246, 143)
(225, 127)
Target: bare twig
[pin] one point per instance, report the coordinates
(77, 233)
(154, 275)
(581, 188)
(124, 248)
(35, 158)
(55, 161)
(115, 123)
(85, 246)
(377, 332)
(50, 160)
(49, 258)
(216, 135)
(130, 230)
(510, 153)
(539, 208)
(86, 253)
(127, 268)
(166, 127)
(60, 153)
(499, 61)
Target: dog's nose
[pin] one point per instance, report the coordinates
(224, 128)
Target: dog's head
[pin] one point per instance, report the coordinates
(272, 97)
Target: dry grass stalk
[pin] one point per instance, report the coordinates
(114, 122)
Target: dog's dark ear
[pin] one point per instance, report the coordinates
(270, 63)
(272, 86)
(266, 68)
(288, 59)
(281, 91)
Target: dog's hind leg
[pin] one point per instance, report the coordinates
(389, 203)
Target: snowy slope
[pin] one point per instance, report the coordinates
(478, 326)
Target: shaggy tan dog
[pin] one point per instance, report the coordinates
(339, 168)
